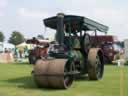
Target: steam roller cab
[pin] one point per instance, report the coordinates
(71, 54)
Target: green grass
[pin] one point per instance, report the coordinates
(16, 80)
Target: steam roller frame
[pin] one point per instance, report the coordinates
(53, 73)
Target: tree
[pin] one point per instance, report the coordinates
(16, 38)
(40, 36)
(1, 37)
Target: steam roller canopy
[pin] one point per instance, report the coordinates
(52, 73)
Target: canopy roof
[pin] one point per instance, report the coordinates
(77, 23)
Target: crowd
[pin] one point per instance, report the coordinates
(21, 53)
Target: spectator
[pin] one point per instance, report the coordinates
(6, 51)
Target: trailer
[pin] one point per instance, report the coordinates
(109, 46)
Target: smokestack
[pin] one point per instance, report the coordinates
(60, 28)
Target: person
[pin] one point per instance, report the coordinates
(6, 51)
(26, 51)
(20, 53)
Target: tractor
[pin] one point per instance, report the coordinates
(38, 51)
(71, 54)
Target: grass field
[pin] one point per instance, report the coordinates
(16, 80)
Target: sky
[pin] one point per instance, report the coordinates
(26, 16)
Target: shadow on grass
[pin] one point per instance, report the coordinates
(28, 83)
(22, 63)
(23, 82)
(81, 78)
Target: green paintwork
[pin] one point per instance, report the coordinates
(76, 54)
(76, 43)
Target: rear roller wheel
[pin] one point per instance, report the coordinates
(95, 64)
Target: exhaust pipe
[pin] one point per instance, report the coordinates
(60, 29)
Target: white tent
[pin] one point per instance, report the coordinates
(7, 46)
(23, 45)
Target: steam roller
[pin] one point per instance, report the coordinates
(71, 54)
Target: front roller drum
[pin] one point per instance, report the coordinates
(52, 74)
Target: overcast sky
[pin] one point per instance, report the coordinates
(26, 15)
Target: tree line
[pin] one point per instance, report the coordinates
(17, 37)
